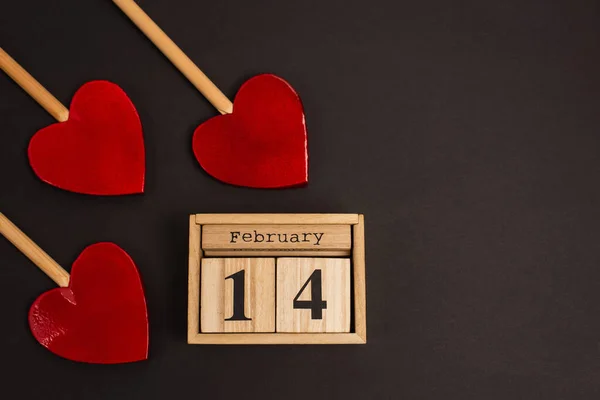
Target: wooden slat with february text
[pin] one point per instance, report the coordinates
(280, 239)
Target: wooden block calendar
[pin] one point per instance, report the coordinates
(276, 279)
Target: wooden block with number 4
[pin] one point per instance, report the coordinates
(237, 295)
(313, 295)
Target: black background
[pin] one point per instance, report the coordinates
(467, 132)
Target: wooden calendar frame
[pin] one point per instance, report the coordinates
(358, 334)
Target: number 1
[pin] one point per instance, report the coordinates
(239, 298)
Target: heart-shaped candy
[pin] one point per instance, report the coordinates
(99, 150)
(262, 144)
(101, 316)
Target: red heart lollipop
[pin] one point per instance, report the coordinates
(99, 314)
(99, 150)
(101, 317)
(262, 144)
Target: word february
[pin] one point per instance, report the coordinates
(268, 237)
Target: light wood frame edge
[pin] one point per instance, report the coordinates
(195, 258)
(281, 219)
(276, 338)
(360, 287)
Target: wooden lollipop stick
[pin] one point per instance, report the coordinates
(33, 87)
(177, 57)
(33, 252)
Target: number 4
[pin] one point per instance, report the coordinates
(316, 304)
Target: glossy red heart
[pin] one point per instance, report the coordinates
(262, 144)
(99, 150)
(101, 316)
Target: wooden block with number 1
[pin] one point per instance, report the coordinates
(313, 295)
(237, 295)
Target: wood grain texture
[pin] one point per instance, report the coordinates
(217, 295)
(292, 274)
(33, 87)
(360, 287)
(176, 55)
(246, 239)
(296, 219)
(276, 338)
(272, 253)
(33, 252)
(194, 258)
(357, 334)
